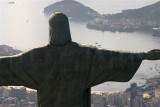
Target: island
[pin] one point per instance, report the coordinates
(141, 19)
(73, 9)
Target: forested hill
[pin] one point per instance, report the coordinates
(144, 18)
(73, 9)
(150, 12)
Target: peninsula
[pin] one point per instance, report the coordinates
(141, 19)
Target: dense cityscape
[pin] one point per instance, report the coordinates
(147, 95)
(17, 97)
(144, 96)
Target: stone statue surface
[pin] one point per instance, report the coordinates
(63, 71)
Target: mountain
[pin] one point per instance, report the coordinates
(8, 51)
(73, 9)
(144, 18)
(150, 12)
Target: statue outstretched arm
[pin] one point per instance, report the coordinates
(113, 66)
(18, 71)
(152, 55)
(11, 71)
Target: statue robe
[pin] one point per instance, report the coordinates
(64, 79)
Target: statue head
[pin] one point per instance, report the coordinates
(59, 29)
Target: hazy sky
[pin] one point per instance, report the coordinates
(102, 6)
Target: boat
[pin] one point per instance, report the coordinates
(11, 2)
(156, 31)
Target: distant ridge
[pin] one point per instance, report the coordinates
(73, 9)
(144, 18)
(8, 51)
(150, 12)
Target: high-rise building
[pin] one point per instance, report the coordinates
(138, 101)
(134, 93)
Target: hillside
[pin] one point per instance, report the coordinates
(8, 51)
(150, 12)
(73, 9)
(144, 18)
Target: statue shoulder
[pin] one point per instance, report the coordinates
(86, 49)
(34, 53)
(86, 46)
(36, 50)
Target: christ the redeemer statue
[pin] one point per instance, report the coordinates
(63, 71)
